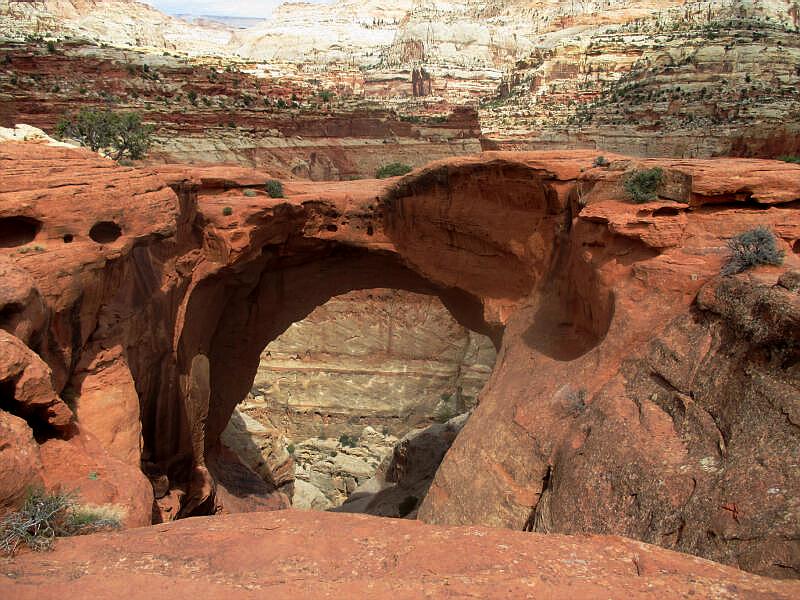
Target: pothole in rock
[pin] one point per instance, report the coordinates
(359, 402)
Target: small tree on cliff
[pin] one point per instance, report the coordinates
(123, 134)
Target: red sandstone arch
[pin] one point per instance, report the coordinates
(621, 361)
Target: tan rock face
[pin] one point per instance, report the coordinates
(382, 357)
(622, 401)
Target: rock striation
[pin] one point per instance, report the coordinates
(644, 77)
(636, 392)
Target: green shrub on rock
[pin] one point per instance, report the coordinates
(394, 169)
(46, 516)
(274, 188)
(122, 133)
(641, 185)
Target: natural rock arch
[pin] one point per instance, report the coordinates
(614, 404)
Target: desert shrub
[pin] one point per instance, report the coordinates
(290, 449)
(348, 441)
(250, 193)
(641, 185)
(444, 412)
(227, 211)
(274, 188)
(51, 47)
(192, 96)
(392, 170)
(790, 158)
(45, 516)
(122, 133)
(600, 161)
(750, 248)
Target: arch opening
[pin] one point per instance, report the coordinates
(231, 318)
(105, 232)
(359, 401)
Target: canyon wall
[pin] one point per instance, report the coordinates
(374, 84)
(635, 392)
(385, 358)
(212, 112)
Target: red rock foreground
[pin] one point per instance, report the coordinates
(293, 554)
(636, 391)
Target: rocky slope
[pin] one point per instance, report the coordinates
(118, 22)
(296, 554)
(636, 392)
(645, 77)
(216, 111)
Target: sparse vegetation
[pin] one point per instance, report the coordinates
(751, 248)
(641, 185)
(290, 449)
(46, 516)
(250, 193)
(392, 170)
(348, 441)
(790, 158)
(123, 134)
(51, 47)
(274, 188)
(227, 211)
(600, 161)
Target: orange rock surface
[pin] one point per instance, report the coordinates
(636, 392)
(293, 554)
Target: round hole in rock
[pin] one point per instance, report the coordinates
(366, 407)
(331, 227)
(68, 238)
(18, 231)
(105, 232)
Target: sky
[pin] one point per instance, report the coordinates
(241, 8)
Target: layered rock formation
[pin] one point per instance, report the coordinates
(635, 391)
(386, 358)
(118, 22)
(375, 83)
(215, 111)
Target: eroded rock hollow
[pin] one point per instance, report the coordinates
(635, 392)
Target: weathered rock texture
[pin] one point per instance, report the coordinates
(300, 554)
(386, 358)
(622, 401)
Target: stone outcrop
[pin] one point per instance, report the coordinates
(304, 554)
(400, 484)
(627, 397)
